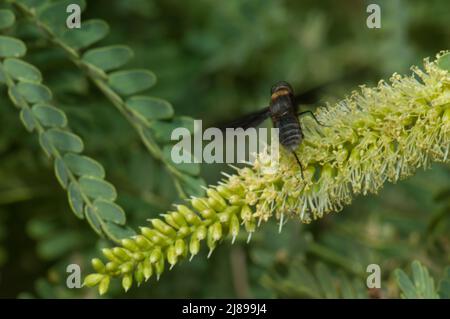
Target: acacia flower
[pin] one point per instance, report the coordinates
(376, 135)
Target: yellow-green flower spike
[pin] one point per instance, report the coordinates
(377, 135)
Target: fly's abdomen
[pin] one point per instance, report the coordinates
(290, 133)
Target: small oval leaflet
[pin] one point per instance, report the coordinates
(75, 200)
(49, 115)
(131, 81)
(11, 47)
(93, 220)
(91, 32)
(65, 141)
(27, 119)
(22, 71)
(117, 232)
(97, 188)
(54, 14)
(7, 19)
(109, 58)
(188, 168)
(150, 108)
(61, 172)
(110, 211)
(162, 130)
(33, 92)
(84, 166)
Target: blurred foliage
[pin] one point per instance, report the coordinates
(214, 61)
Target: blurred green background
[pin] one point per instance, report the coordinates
(216, 60)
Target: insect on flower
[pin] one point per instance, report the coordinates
(284, 112)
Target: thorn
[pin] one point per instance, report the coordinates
(233, 239)
(171, 266)
(210, 253)
(249, 237)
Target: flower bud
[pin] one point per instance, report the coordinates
(208, 213)
(180, 247)
(199, 204)
(111, 267)
(191, 217)
(93, 280)
(159, 267)
(234, 227)
(155, 255)
(147, 269)
(201, 232)
(163, 227)
(129, 244)
(104, 285)
(143, 242)
(139, 273)
(194, 246)
(172, 257)
(178, 219)
(126, 267)
(121, 253)
(224, 191)
(246, 213)
(215, 200)
(127, 281)
(98, 265)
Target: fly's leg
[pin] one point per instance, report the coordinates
(314, 117)
(299, 164)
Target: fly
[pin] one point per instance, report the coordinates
(284, 112)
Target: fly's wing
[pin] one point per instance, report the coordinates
(313, 95)
(249, 120)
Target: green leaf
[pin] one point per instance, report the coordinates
(84, 166)
(75, 200)
(150, 108)
(17, 99)
(61, 172)
(325, 279)
(7, 19)
(11, 47)
(49, 116)
(110, 211)
(162, 130)
(131, 81)
(422, 285)
(97, 188)
(27, 119)
(444, 285)
(54, 15)
(22, 71)
(33, 92)
(188, 168)
(117, 232)
(444, 61)
(90, 32)
(109, 58)
(45, 144)
(65, 141)
(93, 220)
